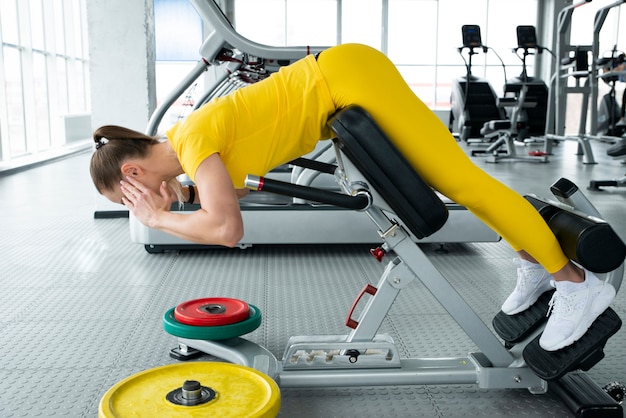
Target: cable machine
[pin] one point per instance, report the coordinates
(596, 64)
(572, 64)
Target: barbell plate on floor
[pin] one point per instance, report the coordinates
(214, 333)
(209, 312)
(236, 391)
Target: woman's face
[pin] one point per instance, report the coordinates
(142, 180)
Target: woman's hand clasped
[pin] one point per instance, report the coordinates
(145, 204)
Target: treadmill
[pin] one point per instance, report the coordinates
(236, 62)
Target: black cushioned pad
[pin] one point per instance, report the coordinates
(514, 328)
(391, 175)
(591, 243)
(583, 354)
(584, 397)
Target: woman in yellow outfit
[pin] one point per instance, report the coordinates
(269, 123)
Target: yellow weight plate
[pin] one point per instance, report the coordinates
(240, 392)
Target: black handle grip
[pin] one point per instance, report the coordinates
(357, 202)
(314, 165)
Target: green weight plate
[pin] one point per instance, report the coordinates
(213, 333)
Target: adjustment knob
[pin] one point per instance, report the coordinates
(378, 253)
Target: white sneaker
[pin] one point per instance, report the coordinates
(531, 283)
(573, 308)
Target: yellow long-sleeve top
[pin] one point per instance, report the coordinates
(258, 127)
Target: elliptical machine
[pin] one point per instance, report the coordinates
(472, 101)
(526, 103)
(532, 118)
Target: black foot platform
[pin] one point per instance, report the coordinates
(585, 398)
(514, 328)
(598, 184)
(583, 354)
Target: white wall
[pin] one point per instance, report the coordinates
(122, 59)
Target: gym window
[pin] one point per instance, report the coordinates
(44, 75)
(420, 36)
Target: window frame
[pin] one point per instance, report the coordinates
(46, 95)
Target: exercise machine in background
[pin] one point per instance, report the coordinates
(472, 101)
(596, 64)
(573, 76)
(610, 120)
(532, 122)
(610, 112)
(525, 101)
(587, 62)
(617, 152)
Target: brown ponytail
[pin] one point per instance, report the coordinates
(115, 145)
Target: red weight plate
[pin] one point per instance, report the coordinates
(209, 312)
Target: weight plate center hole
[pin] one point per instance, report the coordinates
(213, 309)
(192, 393)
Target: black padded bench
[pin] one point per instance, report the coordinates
(391, 175)
(369, 149)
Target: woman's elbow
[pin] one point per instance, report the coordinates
(232, 240)
(232, 235)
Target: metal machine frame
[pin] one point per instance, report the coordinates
(365, 358)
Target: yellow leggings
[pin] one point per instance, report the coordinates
(357, 74)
